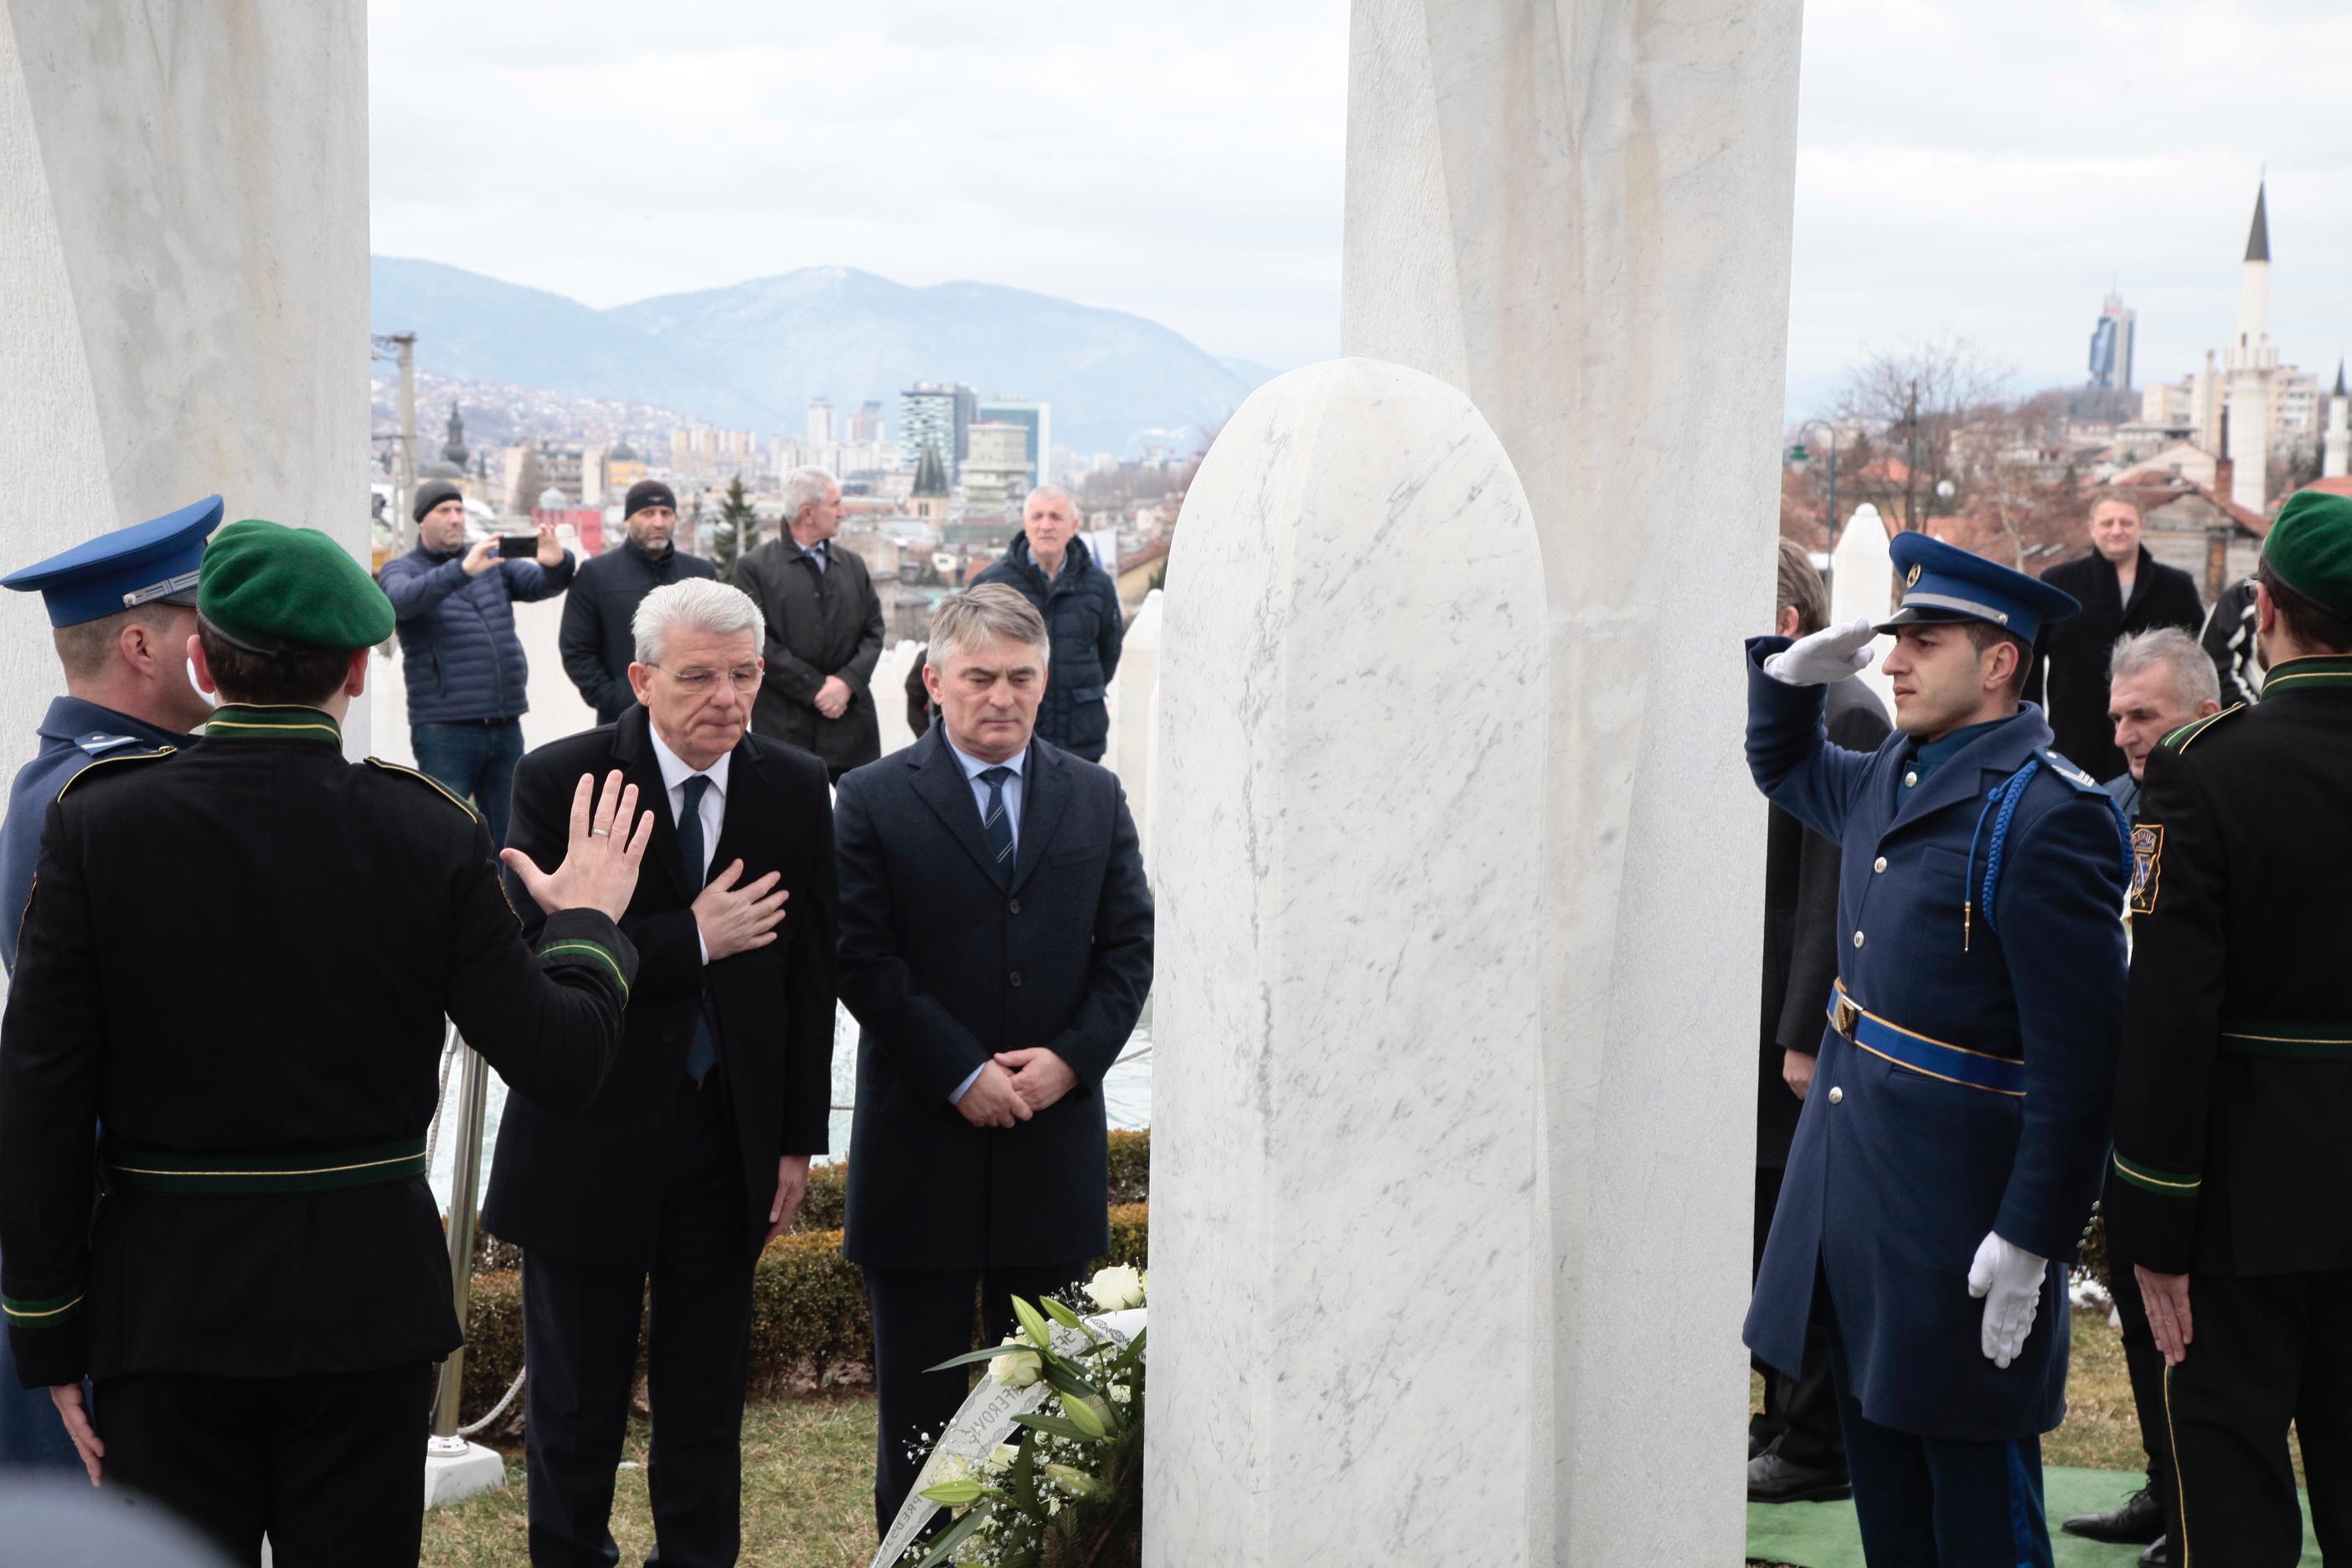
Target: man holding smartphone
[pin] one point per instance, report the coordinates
(464, 663)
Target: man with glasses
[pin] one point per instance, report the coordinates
(696, 1152)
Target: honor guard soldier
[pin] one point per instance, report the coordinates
(1950, 1153)
(122, 608)
(262, 1293)
(2230, 1194)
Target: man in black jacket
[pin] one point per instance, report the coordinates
(2122, 588)
(265, 1287)
(2228, 1196)
(597, 642)
(825, 630)
(1050, 566)
(996, 946)
(1794, 1451)
(696, 1151)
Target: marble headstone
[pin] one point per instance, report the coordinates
(1348, 807)
(1862, 582)
(1134, 714)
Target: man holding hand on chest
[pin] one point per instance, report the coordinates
(996, 946)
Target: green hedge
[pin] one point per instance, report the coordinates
(809, 1324)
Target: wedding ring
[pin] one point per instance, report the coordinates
(600, 832)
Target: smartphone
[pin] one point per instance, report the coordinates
(518, 546)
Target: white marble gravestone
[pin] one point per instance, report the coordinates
(1134, 716)
(1862, 582)
(183, 281)
(1578, 212)
(1345, 1114)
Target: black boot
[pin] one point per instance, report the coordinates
(2157, 1555)
(1771, 1478)
(2135, 1521)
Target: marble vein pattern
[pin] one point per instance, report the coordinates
(1349, 794)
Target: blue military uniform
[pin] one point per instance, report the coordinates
(148, 562)
(1963, 1084)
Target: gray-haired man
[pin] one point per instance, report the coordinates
(2157, 681)
(825, 630)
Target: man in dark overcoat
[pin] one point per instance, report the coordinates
(2229, 1196)
(996, 947)
(825, 630)
(2122, 589)
(1950, 1147)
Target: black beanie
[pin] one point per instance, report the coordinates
(430, 494)
(646, 493)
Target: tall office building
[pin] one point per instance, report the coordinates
(865, 424)
(1036, 418)
(927, 417)
(967, 405)
(2111, 346)
(821, 431)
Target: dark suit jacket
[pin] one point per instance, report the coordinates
(1801, 952)
(946, 960)
(2078, 647)
(819, 624)
(587, 1185)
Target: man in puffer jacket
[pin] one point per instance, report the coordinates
(1052, 568)
(459, 649)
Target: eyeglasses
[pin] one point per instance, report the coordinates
(744, 678)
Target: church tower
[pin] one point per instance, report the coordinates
(2250, 364)
(2335, 461)
(929, 500)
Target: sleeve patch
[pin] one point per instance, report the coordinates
(2148, 866)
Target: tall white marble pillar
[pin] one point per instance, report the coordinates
(1344, 1119)
(183, 281)
(1862, 582)
(1577, 211)
(1134, 714)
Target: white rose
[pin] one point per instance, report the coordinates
(1116, 1288)
(999, 1458)
(1018, 1368)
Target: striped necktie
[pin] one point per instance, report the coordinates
(997, 822)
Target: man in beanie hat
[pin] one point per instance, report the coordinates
(2229, 1194)
(264, 1289)
(463, 663)
(596, 641)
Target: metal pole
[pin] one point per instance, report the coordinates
(1833, 512)
(465, 1180)
(407, 345)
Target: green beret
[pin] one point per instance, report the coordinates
(275, 589)
(2310, 547)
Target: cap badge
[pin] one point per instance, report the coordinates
(1911, 579)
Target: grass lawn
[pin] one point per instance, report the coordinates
(808, 1474)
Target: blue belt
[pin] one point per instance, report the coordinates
(1953, 1064)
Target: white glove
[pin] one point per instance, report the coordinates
(1829, 655)
(2009, 1279)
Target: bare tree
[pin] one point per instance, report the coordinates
(1919, 400)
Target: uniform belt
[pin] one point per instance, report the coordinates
(1905, 1048)
(311, 1171)
(2277, 1038)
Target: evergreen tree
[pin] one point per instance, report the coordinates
(737, 532)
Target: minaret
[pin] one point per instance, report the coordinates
(2252, 360)
(2336, 462)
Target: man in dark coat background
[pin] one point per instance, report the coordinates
(1794, 1451)
(697, 1150)
(596, 643)
(2122, 588)
(996, 947)
(1050, 566)
(825, 630)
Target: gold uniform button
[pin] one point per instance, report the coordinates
(1910, 779)
(1857, 939)
(1879, 864)
(1836, 1094)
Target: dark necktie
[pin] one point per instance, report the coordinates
(996, 821)
(703, 1053)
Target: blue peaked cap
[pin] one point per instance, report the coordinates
(1945, 583)
(140, 565)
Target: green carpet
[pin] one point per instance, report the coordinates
(1822, 1534)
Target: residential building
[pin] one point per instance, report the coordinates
(1036, 418)
(928, 422)
(821, 431)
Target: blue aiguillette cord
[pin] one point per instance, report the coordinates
(2005, 797)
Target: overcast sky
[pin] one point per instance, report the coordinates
(1978, 167)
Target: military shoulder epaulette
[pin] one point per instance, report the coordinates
(2084, 783)
(2178, 740)
(157, 755)
(444, 791)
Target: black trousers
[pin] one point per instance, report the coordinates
(2145, 1364)
(922, 1318)
(580, 1347)
(2263, 1353)
(330, 1466)
(1799, 1413)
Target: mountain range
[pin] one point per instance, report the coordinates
(752, 356)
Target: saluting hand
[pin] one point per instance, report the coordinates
(1826, 656)
(599, 870)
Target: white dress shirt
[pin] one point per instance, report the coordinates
(972, 768)
(675, 772)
